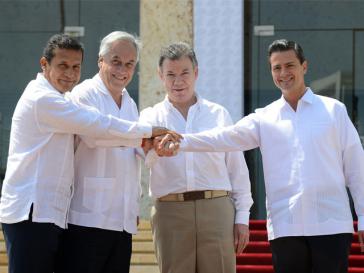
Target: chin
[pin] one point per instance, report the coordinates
(66, 88)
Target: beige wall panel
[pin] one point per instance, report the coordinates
(161, 22)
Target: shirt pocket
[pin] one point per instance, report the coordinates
(98, 193)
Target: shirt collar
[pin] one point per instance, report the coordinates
(308, 97)
(170, 106)
(45, 83)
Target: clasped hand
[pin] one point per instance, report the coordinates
(164, 141)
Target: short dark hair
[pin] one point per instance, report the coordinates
(176, 51)
(284, 45)
(61, 41)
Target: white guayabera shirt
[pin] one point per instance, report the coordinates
(107, 174)
(309, 157)
(198, 171)
(41, 152)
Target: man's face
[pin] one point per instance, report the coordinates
(64, 70)
(179, 77)
(287, 72)
(118, 65)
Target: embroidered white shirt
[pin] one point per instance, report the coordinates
(107, 175)
(40, 162)
(198, 171)
(309, 157)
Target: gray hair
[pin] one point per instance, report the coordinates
(119, 36)
(176, 51)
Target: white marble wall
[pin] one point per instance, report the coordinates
(218, 41)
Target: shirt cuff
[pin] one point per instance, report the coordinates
(151, 158)
(183, 143)
(242, 217)
(361, 223)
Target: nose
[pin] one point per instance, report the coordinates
(284, 71)
(122, 68)
(71, 73)
(178, 80)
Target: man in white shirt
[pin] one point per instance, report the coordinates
(311, 152)
(104, 208)
(37, 188)
(202, 200)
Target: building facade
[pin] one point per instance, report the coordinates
(230, 38)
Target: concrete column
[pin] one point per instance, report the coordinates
(161, 22)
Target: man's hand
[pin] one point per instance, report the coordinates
(158, 131)
(361, 239)
(241, 237)
(166, 145)
(147, 144)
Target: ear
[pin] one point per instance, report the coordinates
(43, 63)
(196, 72)
(99, 61)
(160, 73)
(305, 66)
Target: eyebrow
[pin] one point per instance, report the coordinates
(116, 57)
(276, 65)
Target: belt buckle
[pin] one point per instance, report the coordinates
(193, 195)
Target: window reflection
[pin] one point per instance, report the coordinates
(339, 85)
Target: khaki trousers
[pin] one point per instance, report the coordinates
(194, 236)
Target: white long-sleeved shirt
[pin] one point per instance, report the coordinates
(198, 171)
(309, 156)
(107, 176)
(40, 162)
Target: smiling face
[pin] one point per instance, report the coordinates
(63, 72)
(288, 73)
(179, 77)
(117, 65)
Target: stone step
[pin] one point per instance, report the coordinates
(143, 259)
(143, 236)
(3, 259)
(141, 269)
(143, 247)
(144, 225)
(2, 247)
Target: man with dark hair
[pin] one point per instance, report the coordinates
(202, 200)
(38, 184)
(61, 42)
(311, 152)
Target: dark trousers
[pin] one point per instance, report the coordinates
(32, 247)
(94, 250)
(311, 254)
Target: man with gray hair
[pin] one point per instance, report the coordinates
(104, 208)
(202, 200)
